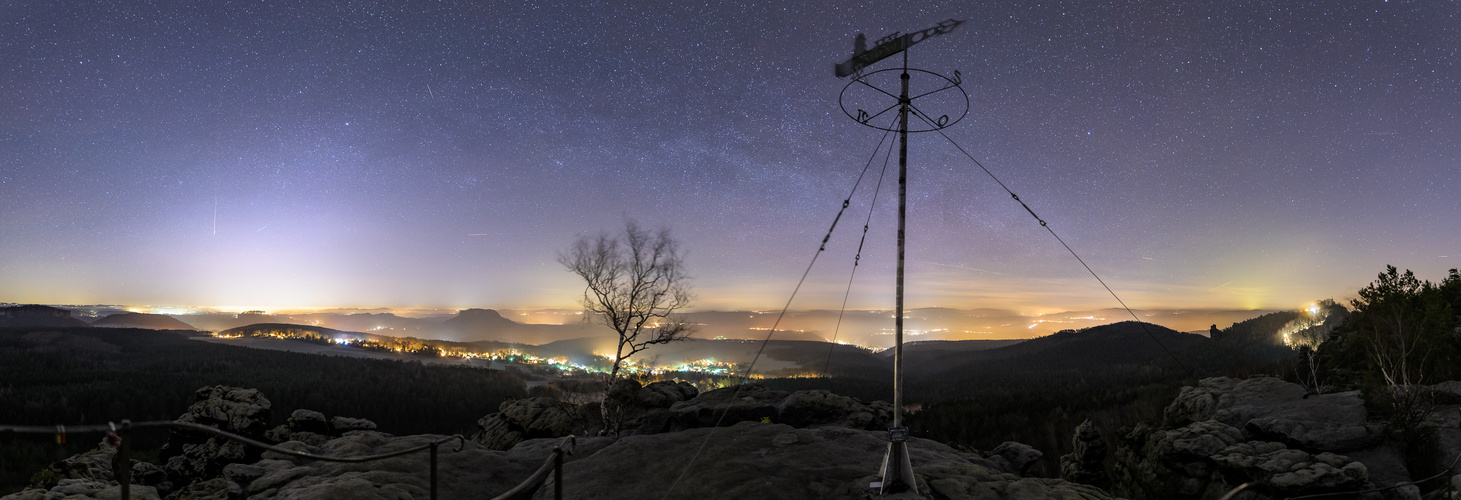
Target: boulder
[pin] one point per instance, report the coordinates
(308, 421)
(343, 425)
(242, 473)
(817, 408)
(645, 410)
(665, 393)
(726, 406)
(1014, 458)
(279, 434)
(521, 419)
(578, 448)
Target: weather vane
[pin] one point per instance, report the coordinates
(869, 94)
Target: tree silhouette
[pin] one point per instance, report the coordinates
(635, 283)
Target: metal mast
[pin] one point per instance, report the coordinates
(896, 466)
(897, 469)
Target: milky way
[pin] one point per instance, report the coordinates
(270, 154)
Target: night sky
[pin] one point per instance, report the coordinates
(273, 154)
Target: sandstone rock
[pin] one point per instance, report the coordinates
(496, 432)
(97, 466)
(1441, 450)
(474, 472)
(727, 406)
(1289, 472)
(212, 489)
(92, 465)
(644, 410)
(242, 474)
(1270, 409)
(233, 409)
(1263, 431)
(817, 407)
(309, 438)
(190, 456)
(279, 434)
(308, 421)
(754, 460)
(665, 393)
(1086, 462)
(521, 419)
(1014, 458)
(342, 425)
(75, 488)
(27, 494)
(1171, 464)
(541, 448)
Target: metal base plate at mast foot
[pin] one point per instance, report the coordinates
(897, 470)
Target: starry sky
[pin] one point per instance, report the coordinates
(1197, 154)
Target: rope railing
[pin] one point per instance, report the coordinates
(554, 464)
(119, 434)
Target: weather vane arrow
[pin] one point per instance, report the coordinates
(863, 57)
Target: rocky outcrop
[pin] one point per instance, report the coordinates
(189, 456)
(664, 393)
(1014, 458)
(312, 428)
(1226, 432)
(91, 474)
(308, 421)
(756, 460)
(472, 472)
(752, 459)
(342, 426)
(522, 419)
(645, 409)
(818, 408)
(1209, 458)
(1086, 464)
(1271, 409)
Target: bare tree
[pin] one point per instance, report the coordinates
(635, 283)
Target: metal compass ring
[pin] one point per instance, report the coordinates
(933, 123)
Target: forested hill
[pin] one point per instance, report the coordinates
(1106, 347)
(142, 320)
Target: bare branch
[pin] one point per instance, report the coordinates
(635, 282)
